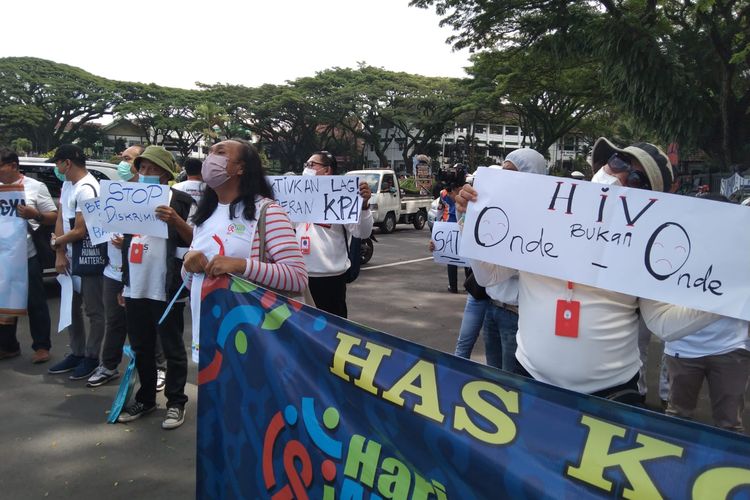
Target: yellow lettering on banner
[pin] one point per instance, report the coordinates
(505, 428)
(719, 482)
(596, 457)
(369, 365)
(427, 391)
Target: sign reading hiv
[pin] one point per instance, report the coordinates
(660, 246)
(321, 199)
(446, 236)
(93, 217)
(130, 207)
(13, 271)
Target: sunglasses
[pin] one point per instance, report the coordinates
(636, 178)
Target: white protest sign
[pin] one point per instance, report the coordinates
(129, 207)
(92, 215)
(661, 246)
(322, 199)
(13, 251)
(446, 236)
(66, 302)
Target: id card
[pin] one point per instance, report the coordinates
(304, 245)
(566, 318)
(136, 253)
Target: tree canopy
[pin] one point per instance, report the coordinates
(680, 67)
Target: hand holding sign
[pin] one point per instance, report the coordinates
(445, 244)
(131, 208)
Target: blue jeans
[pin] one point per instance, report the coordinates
(471, 324)
(500, 328)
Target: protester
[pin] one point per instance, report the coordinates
(603, 359)
(116, 330)
(475, 316)
(38, 210)
(325, 247)
(501, 320)
(70, 228)
(151, 275)
(126, 169)
(447, 197)
(236, 195)
(193, 185)
(720, 354)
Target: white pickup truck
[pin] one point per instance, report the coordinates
(388, 204)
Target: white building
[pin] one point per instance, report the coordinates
(490, 140)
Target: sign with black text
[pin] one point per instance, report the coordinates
(446, 238)
(320, 199)
(677, 249)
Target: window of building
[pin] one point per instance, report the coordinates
(496, 129)
(480, 129)
(511, 130)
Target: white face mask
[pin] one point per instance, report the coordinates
(602, 177)
(309, 171)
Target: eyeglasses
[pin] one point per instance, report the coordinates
(316, 165)
(636, 178)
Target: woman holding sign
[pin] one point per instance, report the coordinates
(326, 247)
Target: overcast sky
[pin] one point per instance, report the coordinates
(249, 42)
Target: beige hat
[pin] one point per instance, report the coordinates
(655, 162)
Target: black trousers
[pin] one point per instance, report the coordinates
(116, 332)
(142, 317)
(329, 293)
(39, 319)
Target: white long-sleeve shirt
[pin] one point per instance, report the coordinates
(326, 249)
(720, 337)
(605, 353)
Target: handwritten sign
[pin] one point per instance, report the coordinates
(323, 199)
(129, 207)
(92, 214)
(661, 246)
(446, 236)
(13, 251)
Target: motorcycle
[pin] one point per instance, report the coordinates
(368, 248)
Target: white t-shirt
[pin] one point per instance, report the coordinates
(113, 269)
(72, 198)
(37, 196)
(236, 235)
(723, 336)
(192, 187)
(147, 263)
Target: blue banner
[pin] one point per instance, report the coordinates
(297, 403)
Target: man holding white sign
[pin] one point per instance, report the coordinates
(39, 209)
(572, 335)
(325, 247)
(70, 231)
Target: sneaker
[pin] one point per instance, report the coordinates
(134, 412)
(10, 354)
(101, 376)
(68, 364)
(175, 418)
(40, 356)
(85, 369)
(161, 379)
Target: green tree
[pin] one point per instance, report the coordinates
(22, 146)
(49, 102)
(549, 95)
(680, 67)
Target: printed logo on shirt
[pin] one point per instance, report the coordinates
(236, 228)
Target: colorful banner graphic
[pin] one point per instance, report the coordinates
(297, 403)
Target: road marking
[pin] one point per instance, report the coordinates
(396, 263)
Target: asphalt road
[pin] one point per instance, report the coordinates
(57, 443)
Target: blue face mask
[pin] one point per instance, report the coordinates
(124, 170)
(149, 179)
(59, 174)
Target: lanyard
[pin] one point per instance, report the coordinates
(570, 291)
